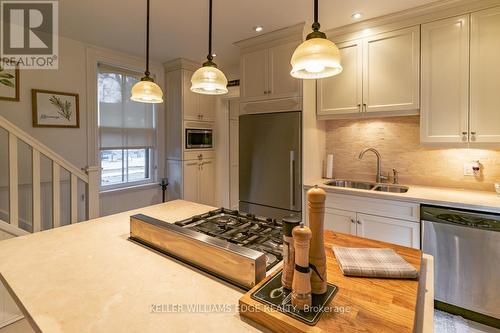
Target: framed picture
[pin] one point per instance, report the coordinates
(9, 84)
(55, 109)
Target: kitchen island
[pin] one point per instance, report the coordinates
(89, 277)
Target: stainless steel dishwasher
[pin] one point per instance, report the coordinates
(466, 250)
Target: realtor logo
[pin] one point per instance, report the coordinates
(29, 34)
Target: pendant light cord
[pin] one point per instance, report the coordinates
(147, 40)
(210, 56)
(316, 24)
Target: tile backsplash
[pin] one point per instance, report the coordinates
(398, 141)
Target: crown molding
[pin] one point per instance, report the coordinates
(181, 63)
(409, 17)
(294, 32)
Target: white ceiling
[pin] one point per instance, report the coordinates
(178, 27)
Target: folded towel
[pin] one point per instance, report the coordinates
(384, 263)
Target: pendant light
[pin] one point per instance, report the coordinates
(208, 79)
(146, 90)
(317, 57)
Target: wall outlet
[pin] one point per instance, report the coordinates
(468, 169)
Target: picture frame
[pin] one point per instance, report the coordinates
(9, 84)
(55, 109)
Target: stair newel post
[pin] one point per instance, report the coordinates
(93, 192)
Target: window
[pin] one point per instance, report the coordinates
(127, 131)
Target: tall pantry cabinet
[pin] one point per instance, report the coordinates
(190, 172)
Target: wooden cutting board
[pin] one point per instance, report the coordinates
(360, 305)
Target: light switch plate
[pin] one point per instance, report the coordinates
(468, 171)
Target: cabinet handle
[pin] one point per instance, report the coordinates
(352, 221)
(359, 222)
(269, 91)
(364, 106)
(265, 92)
(473, 133)
(359, 107)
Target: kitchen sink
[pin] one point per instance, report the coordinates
(391, 188)
(368, 186)
(351, 184)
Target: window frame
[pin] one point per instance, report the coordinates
(151, 153)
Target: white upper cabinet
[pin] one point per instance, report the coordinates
(265, 74)
(380, 77)
(254, 75)
(444, 111)
(391, 76)
(281, 83)
(196, 106)
(485, 76)
(342, 94)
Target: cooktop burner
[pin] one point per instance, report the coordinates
(258, 233)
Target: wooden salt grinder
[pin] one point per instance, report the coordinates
(288, 251)
(317, 256)
(301, 285)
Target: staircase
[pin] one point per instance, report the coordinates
(39, 190)
(29, 191)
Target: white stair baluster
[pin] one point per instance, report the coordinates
(37, 218)
(56, 195)
(74, 199)
(13, 182)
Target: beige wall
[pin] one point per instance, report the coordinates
(397, 139)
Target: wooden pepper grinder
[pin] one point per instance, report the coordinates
(317, 256)
(301, 285)
(288, 251)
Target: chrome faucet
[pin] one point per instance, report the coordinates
(379, 162)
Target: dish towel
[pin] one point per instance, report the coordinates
(383, 263)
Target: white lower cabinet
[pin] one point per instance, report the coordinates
(364, 217)
(199, 181)
(389, 230)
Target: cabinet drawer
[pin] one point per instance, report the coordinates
(195, 154)
(381, 207)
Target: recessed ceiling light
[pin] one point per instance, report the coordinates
(357, 15)
(258, 28)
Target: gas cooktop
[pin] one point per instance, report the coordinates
(258, 233)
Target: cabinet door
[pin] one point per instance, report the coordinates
(206, 107)
(281, 83)
(485, 76)
(342, 94)
(191, 181)
(207, 182)
(254, 75)
(445, 80)
(340, 221)
(190, 100)
(389, 230)
(391, 71)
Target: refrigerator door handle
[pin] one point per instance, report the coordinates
(292, 180)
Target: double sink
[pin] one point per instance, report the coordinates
(368, 186)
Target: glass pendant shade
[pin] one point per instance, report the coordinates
(316, 58)
(209, 80)
(146, 91)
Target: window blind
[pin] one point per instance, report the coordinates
(123, 124)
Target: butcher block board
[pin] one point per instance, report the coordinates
(360, 305)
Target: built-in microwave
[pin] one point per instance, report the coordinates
(199, 138)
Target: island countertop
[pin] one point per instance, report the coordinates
(88, 277)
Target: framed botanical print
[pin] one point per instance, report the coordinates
(55, 109)
(9, 84)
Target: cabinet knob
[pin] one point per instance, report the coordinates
(359, 222)
(265, 91)
(473, 133)
(352, 221)
(464, 133)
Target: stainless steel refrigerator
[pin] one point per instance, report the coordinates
(270, 164)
